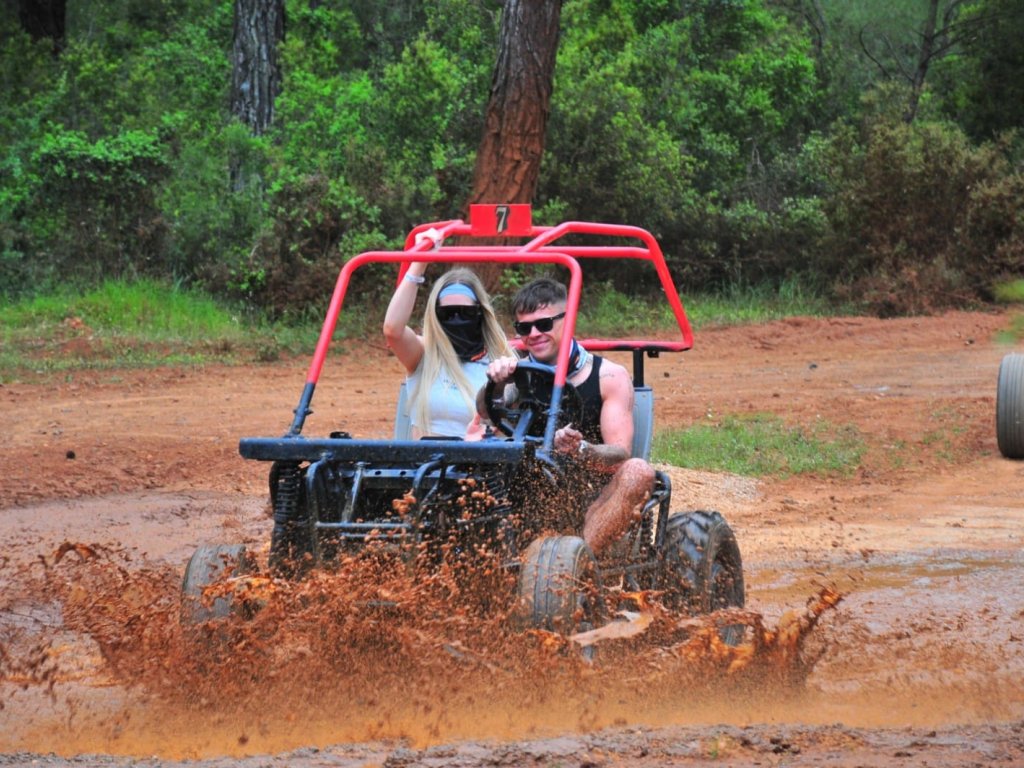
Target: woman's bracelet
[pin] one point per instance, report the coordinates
(418, 279)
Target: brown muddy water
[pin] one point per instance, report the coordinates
(95, 660)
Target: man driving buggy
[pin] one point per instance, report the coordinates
(607, 483)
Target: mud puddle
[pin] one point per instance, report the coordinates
(95, 660)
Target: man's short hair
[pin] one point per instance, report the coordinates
(542, 292)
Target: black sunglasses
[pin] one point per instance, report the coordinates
(461, 311)
(544, 324)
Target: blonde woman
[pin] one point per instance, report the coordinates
(447, 365)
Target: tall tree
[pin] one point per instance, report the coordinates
(989, 81)
(509, 156)
(44, 20)
(942, 31)
(256, 76)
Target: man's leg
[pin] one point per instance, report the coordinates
(618, 505)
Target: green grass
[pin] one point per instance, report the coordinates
(122, 325)
(761, 445)
(948, 441)
(608, 312)
(1010, 292)
(146, 323)
(158, 311)
(756, 304)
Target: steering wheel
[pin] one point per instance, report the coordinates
(535, 383)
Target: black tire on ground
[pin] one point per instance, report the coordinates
(703, 568)
(1010, 406)
(208, 564)
(559, 586)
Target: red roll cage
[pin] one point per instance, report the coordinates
(541, 246)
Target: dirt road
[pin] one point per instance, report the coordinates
(920, 664)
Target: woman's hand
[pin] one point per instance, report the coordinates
(475, 429)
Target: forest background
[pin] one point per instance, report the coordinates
(866, 150)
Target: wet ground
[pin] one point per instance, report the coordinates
(919, 663)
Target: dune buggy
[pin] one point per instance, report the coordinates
(339, 493)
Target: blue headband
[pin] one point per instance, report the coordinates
(458, 289)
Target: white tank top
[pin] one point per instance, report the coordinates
(449, 413)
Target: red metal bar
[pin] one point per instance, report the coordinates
(541, 241)
(443, 256)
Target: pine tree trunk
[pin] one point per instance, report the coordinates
(256, 77)
(508, 159)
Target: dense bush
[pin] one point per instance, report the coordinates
(992, 233)
(908, 209)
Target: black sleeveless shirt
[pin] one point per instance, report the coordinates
(590, 393)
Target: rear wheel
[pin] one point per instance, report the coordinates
(1010, 406)
(703, 568)
(559, 586)
(209, 564)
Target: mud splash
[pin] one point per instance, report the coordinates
(374, 649)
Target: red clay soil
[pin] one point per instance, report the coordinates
(920, 663)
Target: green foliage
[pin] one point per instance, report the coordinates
(211, 230)
(991, 235)
(93, 139)
(366, 148)
(97, 198)
(678, 120)
(113, 166)
(295, 264)
(900, 200)
(982, 87)
(725, 128)
(761, 445)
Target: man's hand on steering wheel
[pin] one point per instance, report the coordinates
(534, 384)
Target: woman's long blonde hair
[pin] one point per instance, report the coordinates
(438, 352)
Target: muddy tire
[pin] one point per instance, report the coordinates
(1010, 406)
(703, 569)
(208, 564)
(559, 586)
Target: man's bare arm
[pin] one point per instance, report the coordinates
(616, 413)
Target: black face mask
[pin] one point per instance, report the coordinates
(466, 336)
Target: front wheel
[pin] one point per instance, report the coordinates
(209, 564)
(559, 586)
(703, 568)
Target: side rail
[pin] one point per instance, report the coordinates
(403, 421)
(643, 422)
(297, 448)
